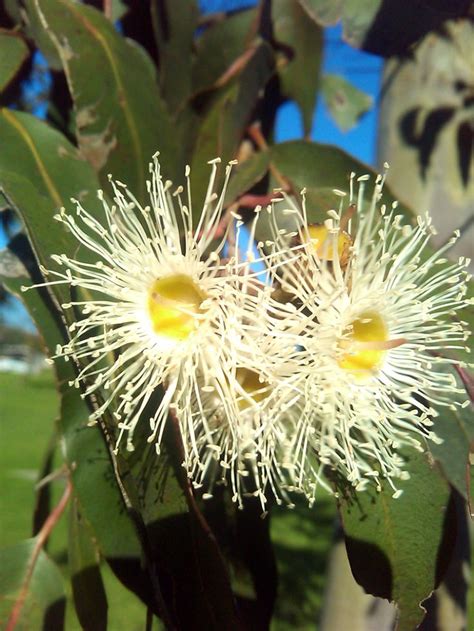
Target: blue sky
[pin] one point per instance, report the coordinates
(362, 69)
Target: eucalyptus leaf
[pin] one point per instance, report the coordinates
(224, 44)
(13, 52)
(299, 74)
(34, 30)
(88, 590)
(50, 171)
(345, 102)
(121, 120)
(180, 566)
(43, 493)
(84, 449)
(317, 169)
(224, 125)
(246, 174)
(191, 570)
(13, 10)
(32, 582)
(174, 26)
(455, 426)
(385, 28)
(393, 544)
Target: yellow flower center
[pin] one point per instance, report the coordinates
(325, 244)
(252, 385)
(367, 345)
(174, 302)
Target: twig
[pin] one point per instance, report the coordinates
(58, 474)
(41, 538)
(467, 380)
(250, 201)
(108, 9)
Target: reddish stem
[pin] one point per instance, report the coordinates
(108, 9)
(467, 380)
(41, 539)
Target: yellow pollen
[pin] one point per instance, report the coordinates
(367, 344)
(174, 302)
(324, 242)
(251, 384)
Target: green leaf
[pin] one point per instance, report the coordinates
(192, 561)
(345, 102)
(357, 16)
(188, 561)
(121, 120)
(88, 590)
(300, 73)
(84, 448)
(456, 427)
(119, 9)
(30, 580)
(86, 453)
(13, 52)
(174, 25)
(34, 30)
(393, 544)
(324, 12)
(224, 125)
(225, 44)
(313, 165)
(246, 174)
(318, 169)
(12, 10)
(385, 28)
(52, 171)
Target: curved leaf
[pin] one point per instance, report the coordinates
(300, 74)
(34, 30)
(224, 125)
(51, 171)
(345, 102)
(87, 587)
(384, 27)
(30, 577)
(393, 544)
(221, 46)
(13, 52)
(456, 427)
(174, 25)
(319, 169)
(246, 174)
(121, 120)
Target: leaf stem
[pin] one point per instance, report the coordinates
(108, 9)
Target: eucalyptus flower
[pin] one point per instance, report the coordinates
(382, 316)
(155, 306)
(252, 410)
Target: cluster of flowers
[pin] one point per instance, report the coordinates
(331, 358)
